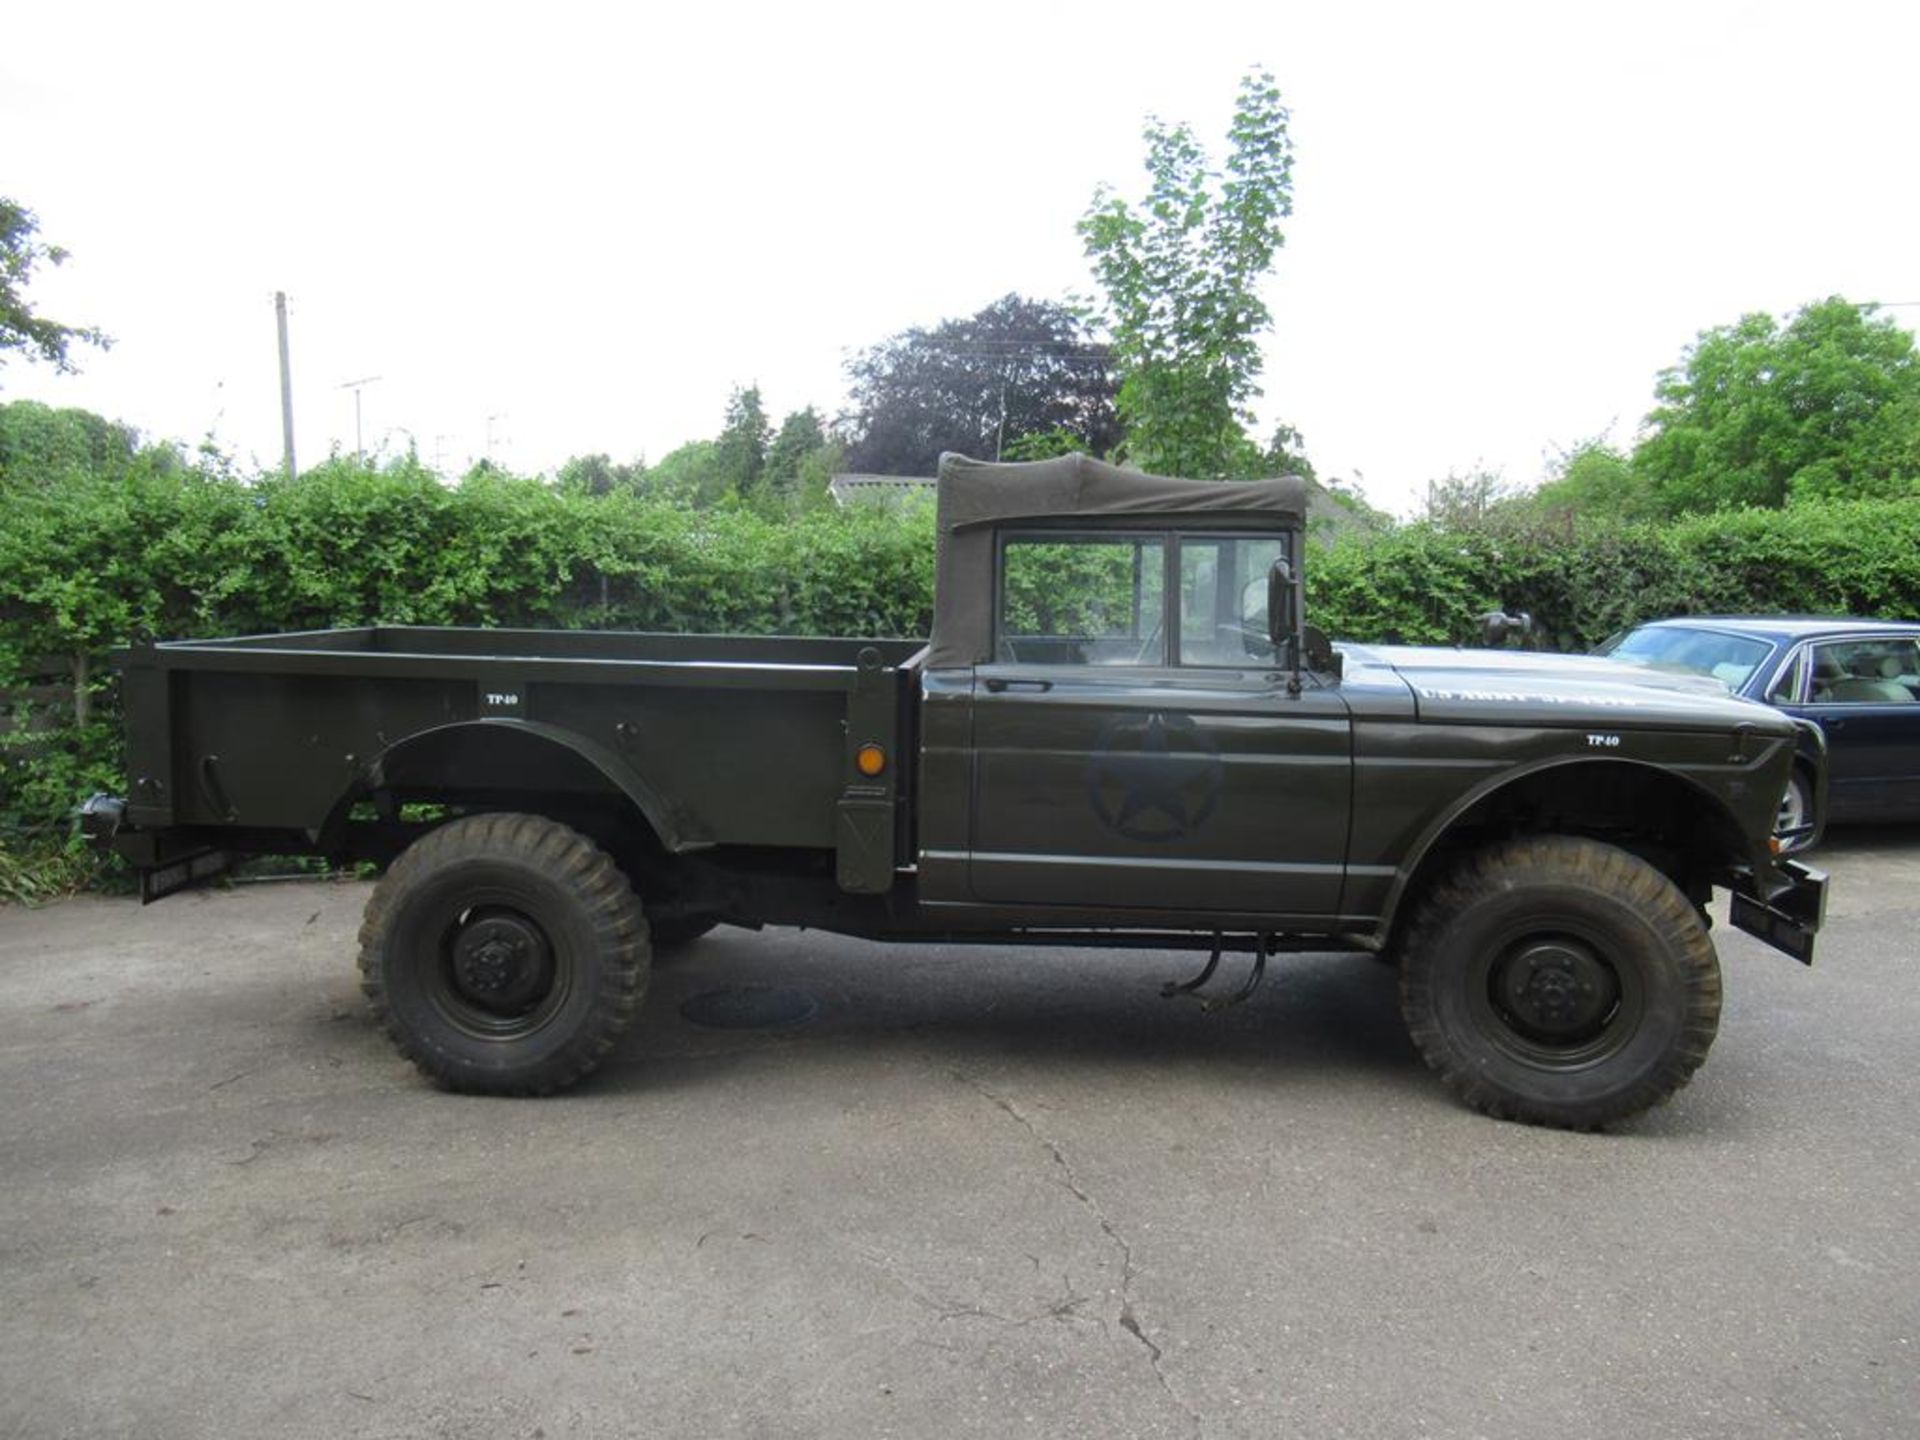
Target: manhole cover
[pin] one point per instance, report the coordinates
(749, 1007)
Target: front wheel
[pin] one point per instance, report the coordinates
(504, 954)
(1560, 981)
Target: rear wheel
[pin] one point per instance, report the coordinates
(1560, 981)
(504, 954)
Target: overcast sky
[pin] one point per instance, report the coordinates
(590, 223)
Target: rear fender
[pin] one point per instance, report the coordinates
(508, 754)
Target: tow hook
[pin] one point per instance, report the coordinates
(101, 817)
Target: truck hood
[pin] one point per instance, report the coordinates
(1517, 687)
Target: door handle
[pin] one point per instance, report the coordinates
(999, 684)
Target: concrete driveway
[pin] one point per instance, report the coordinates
(978, 1192)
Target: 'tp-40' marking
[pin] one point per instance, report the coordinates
(503, 700)
(1604, 742)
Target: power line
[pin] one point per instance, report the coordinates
(359, 449)
(1011, 347)
(1041, 347)
(1052, 357)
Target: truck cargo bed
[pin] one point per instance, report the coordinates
(743, 740)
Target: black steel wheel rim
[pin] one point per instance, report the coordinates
(488, 964)
(1556, 1000)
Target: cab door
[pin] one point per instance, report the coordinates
(1135, 744)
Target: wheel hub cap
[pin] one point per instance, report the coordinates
(1556, 991)
(501, 962)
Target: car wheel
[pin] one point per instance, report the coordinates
(1796, 814)
(1560, 981)
(504, 954)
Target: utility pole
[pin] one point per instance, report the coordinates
(286, 380)
(359, 449)
(1000, 440)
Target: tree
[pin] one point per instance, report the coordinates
(800, 436)
(812, 486)
(1014, 369)
(740, 453)
(36, 336)
(1181, 271)
(600, 475)
(1760, 414)
(1460, 502)
(1043, 445)
(1286, 454)
(40, 446)
(1594, 478)
(688, 475)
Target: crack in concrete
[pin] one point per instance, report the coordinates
(941, 1308)
(1129, 1318)
(1064, 1309)
(1130, 1324)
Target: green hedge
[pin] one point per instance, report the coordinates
(95, 556)
(1581, 582)
(91, 555)
(182, 554)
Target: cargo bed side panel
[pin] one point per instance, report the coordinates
(752, 766)
(277, 751)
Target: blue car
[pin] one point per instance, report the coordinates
(1858, 680)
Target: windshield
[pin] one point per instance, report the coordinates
(1730, 659)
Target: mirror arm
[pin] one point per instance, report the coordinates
(1283, 618)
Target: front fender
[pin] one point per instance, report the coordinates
(1679, 795)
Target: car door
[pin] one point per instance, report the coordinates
(1135, 741)
(1864, 692)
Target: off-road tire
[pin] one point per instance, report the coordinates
(1559, 981)
(504, 955)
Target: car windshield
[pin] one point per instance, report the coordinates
(1730, 659)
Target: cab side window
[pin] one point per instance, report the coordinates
(1096, 600)
(1866, 672)
(1223, 600)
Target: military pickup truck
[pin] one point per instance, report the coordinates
(1121, 733)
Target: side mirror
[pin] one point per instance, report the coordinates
(1283, 610)
(1497, 625)
(1320, 655)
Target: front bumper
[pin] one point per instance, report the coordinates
(1784, 908)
